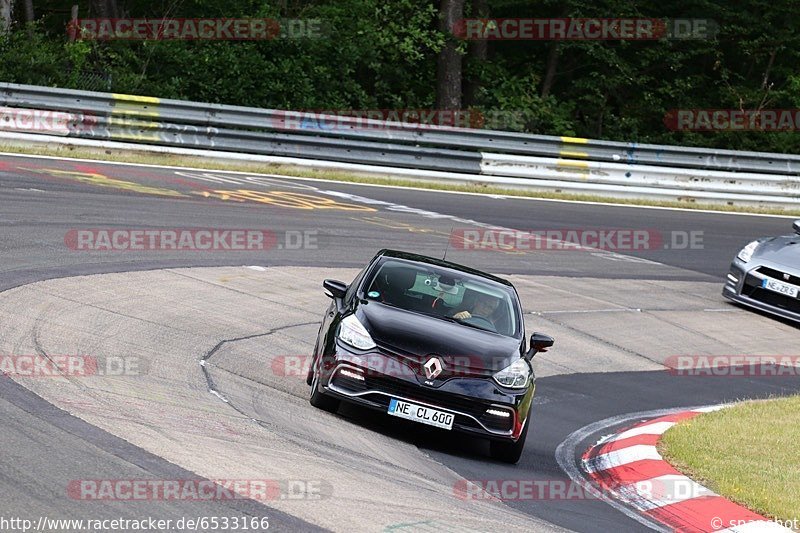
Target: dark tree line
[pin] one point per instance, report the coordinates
(403, 54)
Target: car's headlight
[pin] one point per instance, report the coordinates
(515, 376)
(353, 332)
(747, 252)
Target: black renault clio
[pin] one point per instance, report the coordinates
(429, 341)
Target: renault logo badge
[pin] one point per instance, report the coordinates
(433, 368)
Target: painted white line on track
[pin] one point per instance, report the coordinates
(588, 311)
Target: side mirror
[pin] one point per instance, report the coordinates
(334, 288)
(796, 226)
(539, 343)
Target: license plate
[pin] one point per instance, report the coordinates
(782, 288)
(420, 413)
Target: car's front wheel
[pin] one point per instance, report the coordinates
(509, 452)
(319, 400)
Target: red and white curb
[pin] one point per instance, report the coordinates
(628, 468)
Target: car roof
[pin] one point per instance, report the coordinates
(409, 256)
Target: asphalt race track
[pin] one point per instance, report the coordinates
(212, 333)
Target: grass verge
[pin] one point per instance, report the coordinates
(149, 158)
(749, 453)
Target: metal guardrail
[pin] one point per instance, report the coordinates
(535, 161)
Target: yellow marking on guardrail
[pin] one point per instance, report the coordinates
(567, 153)
(134, 111)
(129, 104)
(135, 136)
(579, 167)
(131, 126)
(135, 98)
(574, 140)
(105, 181)
(573, 164)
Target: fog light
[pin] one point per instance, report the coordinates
(351, 374)
(498, 412)
(733, 278)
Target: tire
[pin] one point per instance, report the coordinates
(509, 452)
(319, 400)
(310, 375)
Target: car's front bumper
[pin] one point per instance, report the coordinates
(468, 398)
(743, 285)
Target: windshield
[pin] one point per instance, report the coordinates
(445, 294)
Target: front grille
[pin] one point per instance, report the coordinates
(777, 274)
(459, 420)
(752, 289)
(444, 400)
(772, 298)
(750, 285)
(391, 387)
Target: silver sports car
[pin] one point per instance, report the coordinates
(765, 274)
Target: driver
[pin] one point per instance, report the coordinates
(484, 306)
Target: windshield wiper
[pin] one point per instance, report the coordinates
(451, 319)
(440, 317)
(458, 321)
(471, 325)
